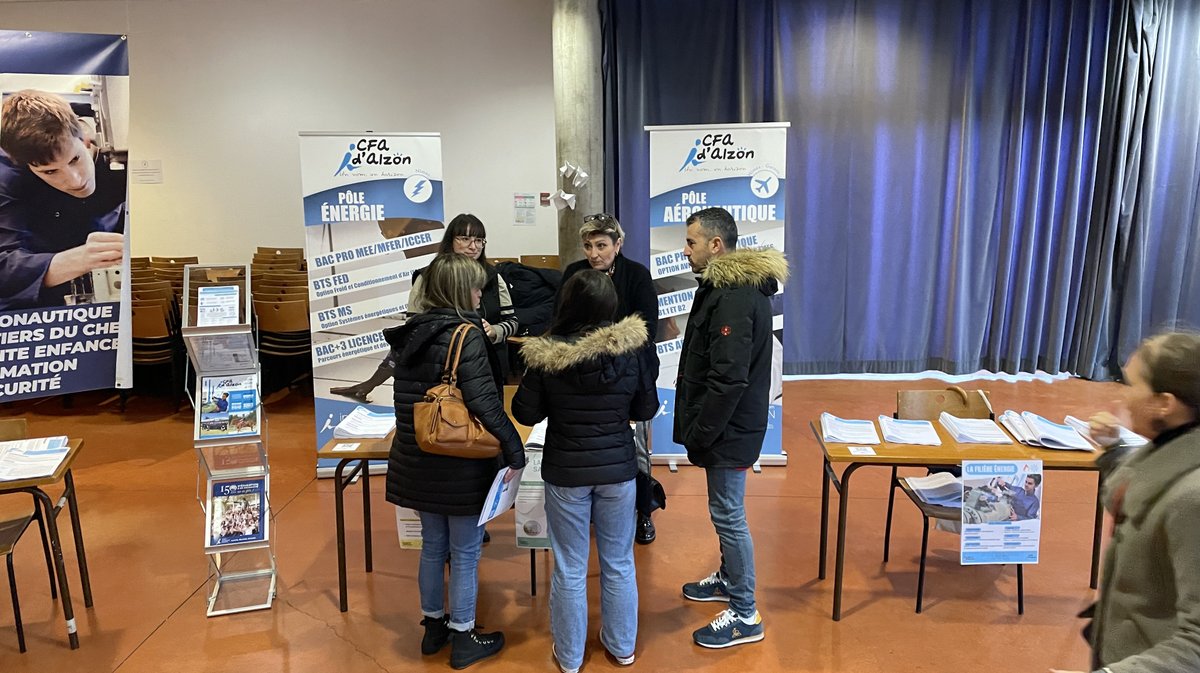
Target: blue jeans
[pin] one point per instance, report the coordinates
(440, 535)
(727, 508)
(610, 508)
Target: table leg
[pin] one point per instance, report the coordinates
(59, 566)
(340, 518)
(1096, 528)
(839, 563)
(366, 493)
(821, 564)
(77, 531)
(532, 572)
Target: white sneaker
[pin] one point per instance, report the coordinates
(624, 661)
(564, 669)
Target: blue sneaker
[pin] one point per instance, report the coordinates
(728, 629)
(711, 588)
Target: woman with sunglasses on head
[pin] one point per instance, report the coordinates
(465, 235)
(602, 237)
(1147, 616)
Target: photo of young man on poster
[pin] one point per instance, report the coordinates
(62, 203)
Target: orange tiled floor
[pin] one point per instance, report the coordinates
(143, 527)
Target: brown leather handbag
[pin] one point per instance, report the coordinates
(442, 422)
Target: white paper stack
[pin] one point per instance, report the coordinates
(31, 458)
(844, 431)
(939, 488)
(1128, 437)
(901, 431)
(1034, 430)
(973, 430)
(365, 424)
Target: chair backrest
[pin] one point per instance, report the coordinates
(149, 321)
(281, 316)
(499, 260)
(13, 428)
(267, 250)
(928, 404)
(541, 261)
(174, 261)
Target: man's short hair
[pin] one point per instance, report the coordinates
(717, 223)
(1037, 479)
(34, 126)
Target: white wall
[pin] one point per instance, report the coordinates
(221, 88)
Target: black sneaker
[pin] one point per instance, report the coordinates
(645, 530)
(487, 537)
(437, 634)
(468, 647)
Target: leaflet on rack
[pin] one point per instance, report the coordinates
(228, 406)
(31, 458)
(236, 512)
(364, 424)
(847, 431)
(939, 488)
(1128, 437)
(903, 431)
(973, 430)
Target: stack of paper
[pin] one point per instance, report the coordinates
(1128, 437)
(899, 431)
(1034, 430)
(31, 458)
(939, 488)
(973, 430)
(843, 431)
(364, 424)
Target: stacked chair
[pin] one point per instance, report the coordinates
(156, 284)
(279, 284)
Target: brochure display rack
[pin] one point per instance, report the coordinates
(233, 480)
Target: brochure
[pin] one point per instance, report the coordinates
(973, 430)
(31, 458)
(365, 424)
(1001, 511)
(237, 512)
(845, 431)
(501, 496)
(902, 431)
(939, 488)
(216, 305)
(228, 406)
(1034, 430)
(1128, 437)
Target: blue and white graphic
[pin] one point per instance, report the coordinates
(1001, 511)
(368, 227)
(738, 167)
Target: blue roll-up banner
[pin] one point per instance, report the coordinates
(373, 215)
(739, 167)
(64, 219)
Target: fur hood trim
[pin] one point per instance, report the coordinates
(556, 354)
(747, 267)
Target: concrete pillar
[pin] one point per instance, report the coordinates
(578, 114)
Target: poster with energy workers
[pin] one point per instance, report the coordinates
(64, 224)
(373, 215)
(738, 167)
(1001, 511)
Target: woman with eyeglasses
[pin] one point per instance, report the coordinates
(1147, 616)
(602, 236)
(465, 235)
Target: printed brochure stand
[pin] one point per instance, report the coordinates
(229, 434)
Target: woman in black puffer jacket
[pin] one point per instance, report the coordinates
(590, 378)
(448, 492)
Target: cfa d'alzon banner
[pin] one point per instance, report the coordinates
(373, 215)
(739, 167)
(64, 314)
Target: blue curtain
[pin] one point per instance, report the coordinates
(944, 206)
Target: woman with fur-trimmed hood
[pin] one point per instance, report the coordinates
(590, 378)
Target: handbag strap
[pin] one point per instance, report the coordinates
(454, 351)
